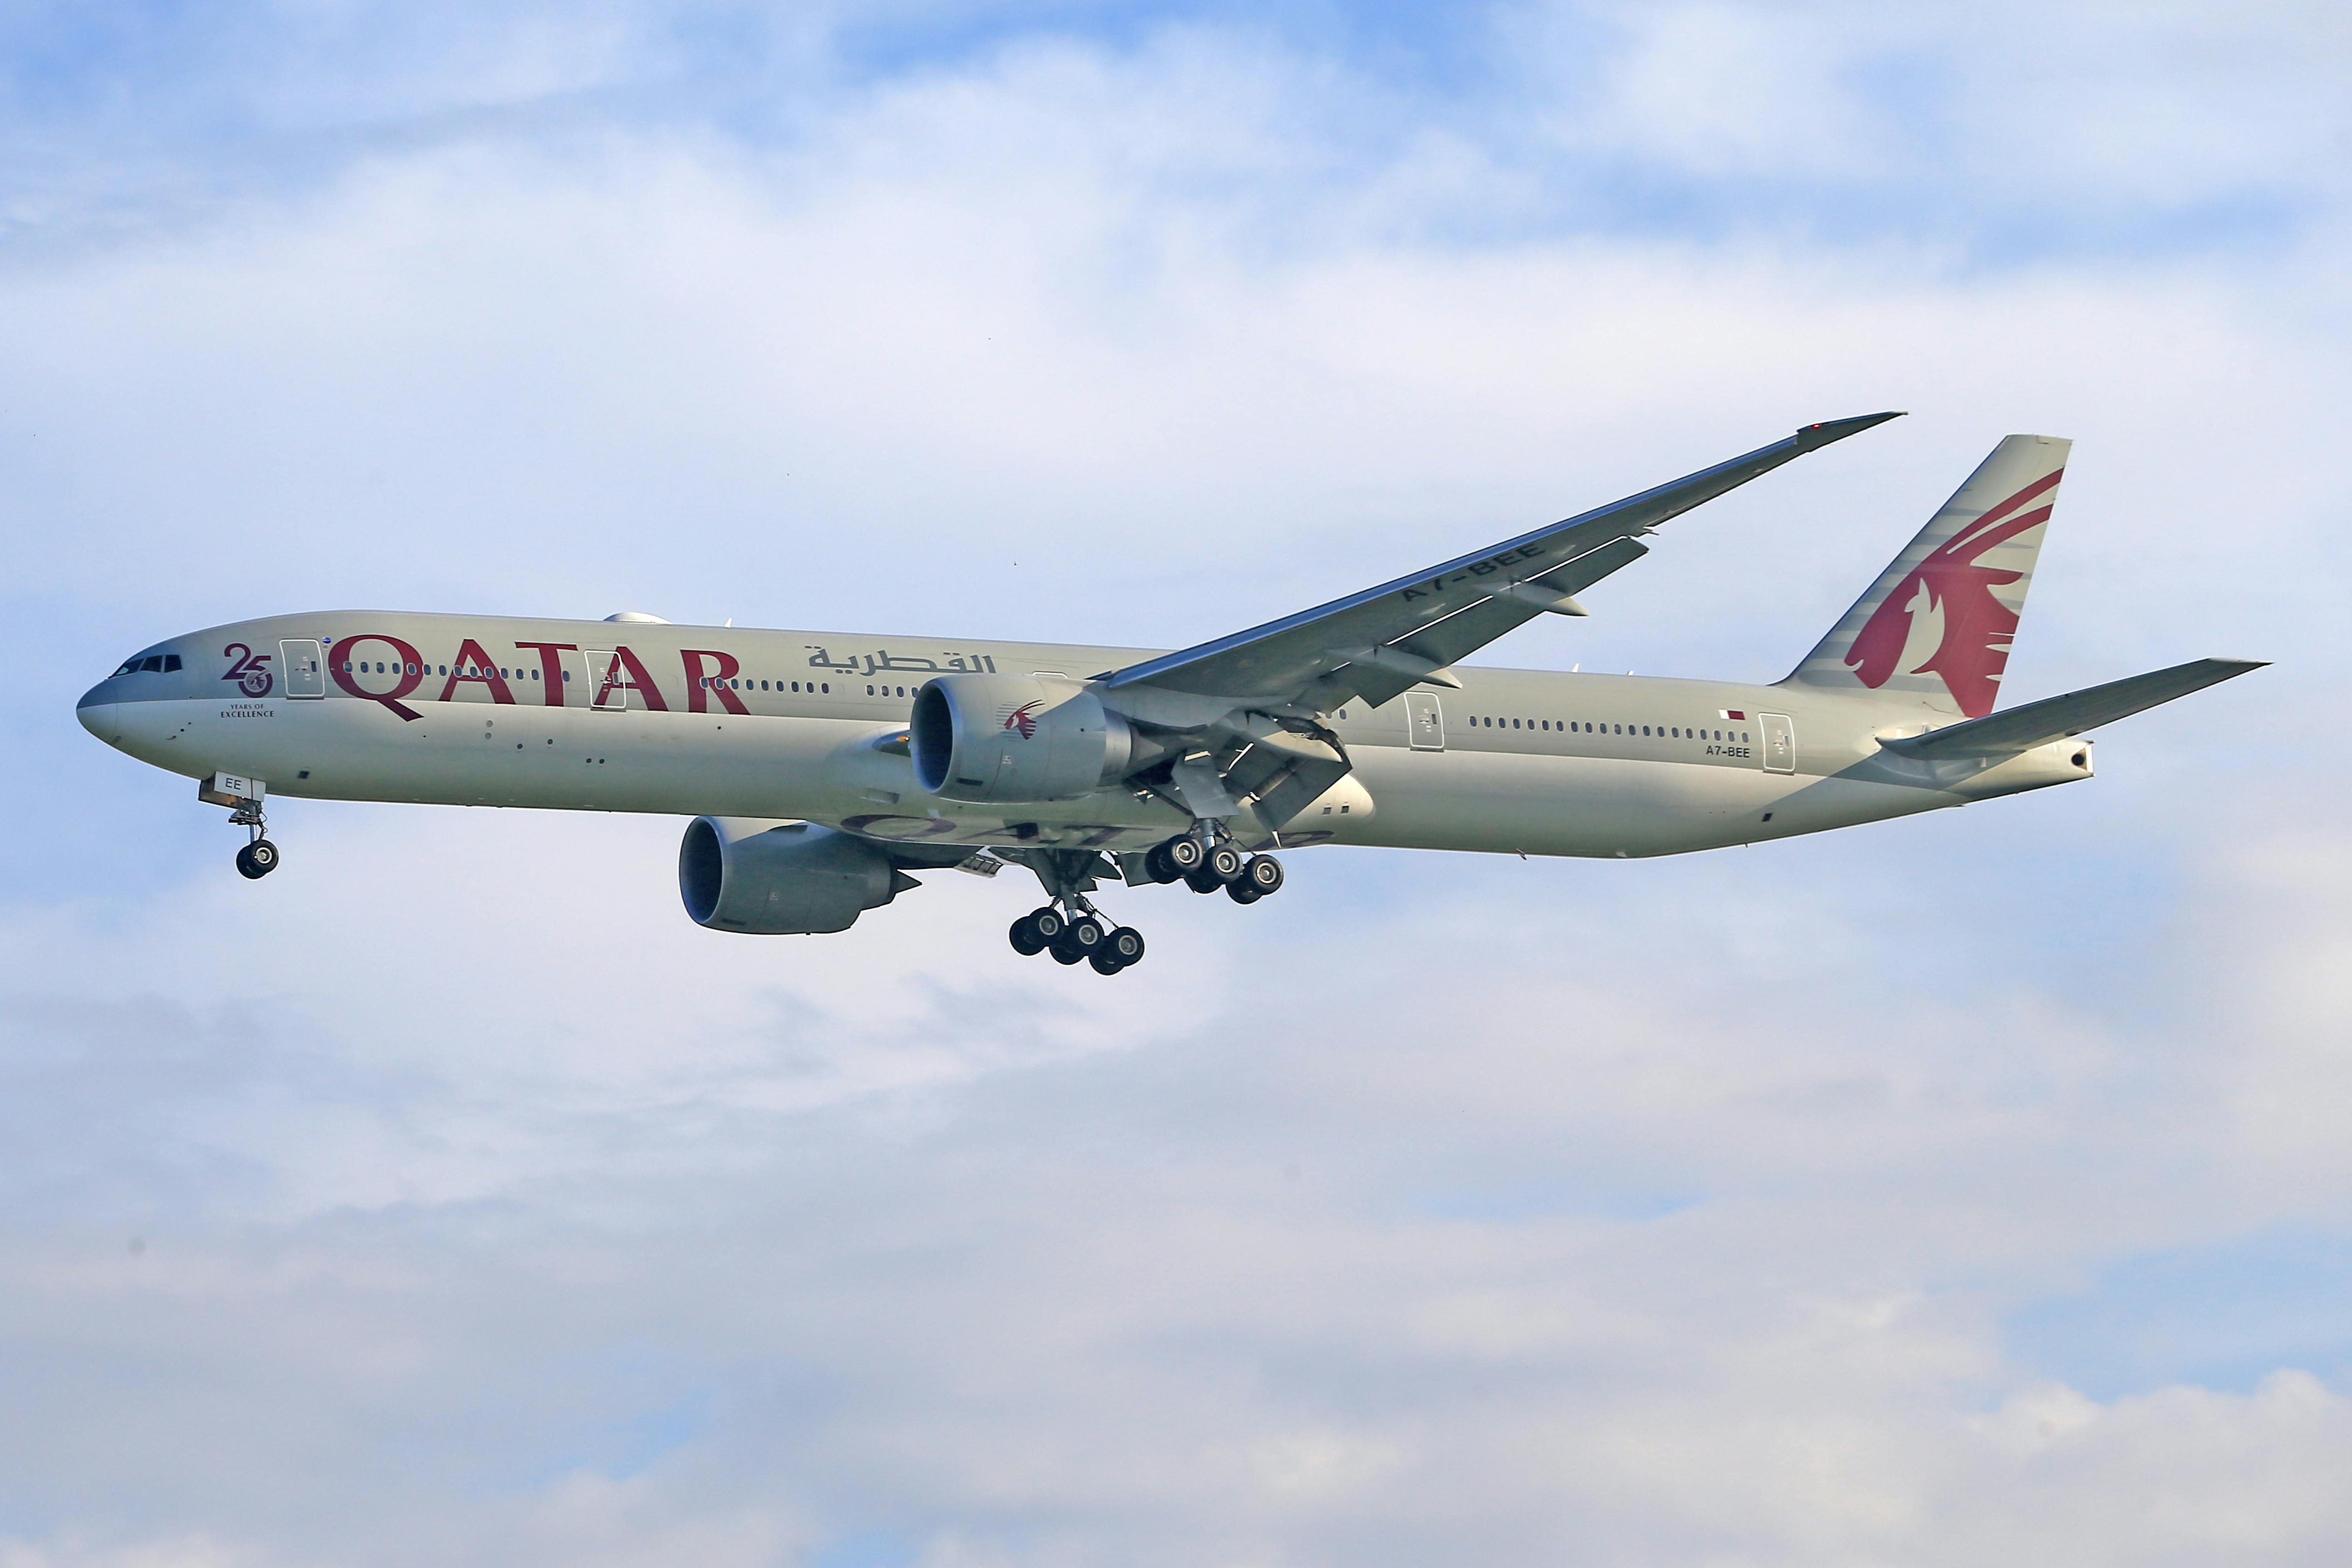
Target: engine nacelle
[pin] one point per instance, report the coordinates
(772, 879)
(1015, 737)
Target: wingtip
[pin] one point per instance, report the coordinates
(1829, 430)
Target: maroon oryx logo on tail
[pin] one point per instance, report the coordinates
(1974, 648)
(1024, 719)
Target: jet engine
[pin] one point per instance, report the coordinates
(781, 879)
(1015, 737)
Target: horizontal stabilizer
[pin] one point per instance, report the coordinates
(2022, 728)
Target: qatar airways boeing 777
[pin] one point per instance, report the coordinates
(821, 767)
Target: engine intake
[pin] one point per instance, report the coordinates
(1015, 737)
(772, 879)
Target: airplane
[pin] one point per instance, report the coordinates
(822, 768)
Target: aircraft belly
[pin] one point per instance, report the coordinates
(1604, 806)
(1551, 805)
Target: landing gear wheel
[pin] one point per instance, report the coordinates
(1104, 963)
(1263, 873)
(1065, 954)
(1086, 934)
(1048, 924)
(1201, 879)
(1226, 862)
(1124, 946)
(1024, 937)
(1243, 893)
(1161, 868)
(257, 859)
(1183, 854)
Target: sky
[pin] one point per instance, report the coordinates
(1961, 1189)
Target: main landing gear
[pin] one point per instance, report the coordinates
(1071, 929)
(1084, 937)
(1205, 868)
(1068, 926)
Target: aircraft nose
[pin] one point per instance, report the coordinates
(97, 711)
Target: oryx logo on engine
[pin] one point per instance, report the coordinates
(1022, 720)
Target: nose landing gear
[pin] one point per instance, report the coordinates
(243, 798)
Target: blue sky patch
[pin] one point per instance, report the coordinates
(2223, 1316)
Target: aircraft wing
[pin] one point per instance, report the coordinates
(2031, 724)
(1384, 641)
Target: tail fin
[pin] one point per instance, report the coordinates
(1937, 622)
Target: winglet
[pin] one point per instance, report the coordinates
(1814, 436)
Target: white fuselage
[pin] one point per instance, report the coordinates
(733, 722)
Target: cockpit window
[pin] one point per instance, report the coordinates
(149, 664)
(153, 664)
(129, 666)
(171, 662)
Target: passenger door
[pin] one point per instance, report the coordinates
(607, 692)
(1779, 743)
(302, 667)
(1424, 721)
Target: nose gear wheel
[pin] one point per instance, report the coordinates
(259, 857)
